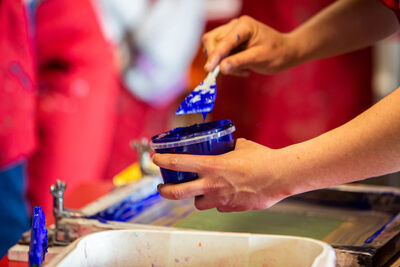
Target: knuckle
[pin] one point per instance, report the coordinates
(234, 21)
(244, 19)
(173, 162)
(212, 187)
(206, 37)
(224, 201)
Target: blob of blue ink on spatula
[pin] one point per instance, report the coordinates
(202, 98)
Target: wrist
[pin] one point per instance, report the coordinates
(293, 171)
(296, 52)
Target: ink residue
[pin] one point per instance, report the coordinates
(200, 100)
(127, 209)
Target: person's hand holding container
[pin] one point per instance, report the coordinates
(211, 138)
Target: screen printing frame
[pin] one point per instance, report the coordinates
(378, 249)
(382, 246)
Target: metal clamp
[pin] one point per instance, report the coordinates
(62, 235)
(143, 149)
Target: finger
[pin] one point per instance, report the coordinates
(183, 190)
(204, 203)
(240, 73)
(231, 208)
(185, 163)
(211, 38)
(235, 37)
(226, 209)
(242, 61)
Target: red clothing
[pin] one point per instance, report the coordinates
(393, 5)
(135, 120)
(17, 84)
(300, 103)
(78, 88)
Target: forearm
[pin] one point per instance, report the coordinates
(344, 26)
(367, 146)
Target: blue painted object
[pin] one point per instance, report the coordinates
(39, 241)
(211, 138)
(126, 209)
(14, 218)
(202, 98)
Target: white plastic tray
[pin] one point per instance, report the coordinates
(193, 248)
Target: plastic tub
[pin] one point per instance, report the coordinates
(194, 248)
(211, 138)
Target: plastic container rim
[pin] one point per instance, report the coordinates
(194, 140)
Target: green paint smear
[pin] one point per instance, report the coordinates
(261, 222)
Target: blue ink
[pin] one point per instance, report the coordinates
(211, 138)
(202, 98)
(39, 240)
(370, 239)
(127, 209)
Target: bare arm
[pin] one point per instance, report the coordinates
(256, 177)
(344, 26)
(367, 146)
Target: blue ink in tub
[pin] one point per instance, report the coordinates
(210, 138)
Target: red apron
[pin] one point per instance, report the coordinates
(78, 88)
(17, 84)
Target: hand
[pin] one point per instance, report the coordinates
(243, 179)
(252, 45)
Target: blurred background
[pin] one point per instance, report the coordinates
(112, 71)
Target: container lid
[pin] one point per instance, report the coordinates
(197, 133)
